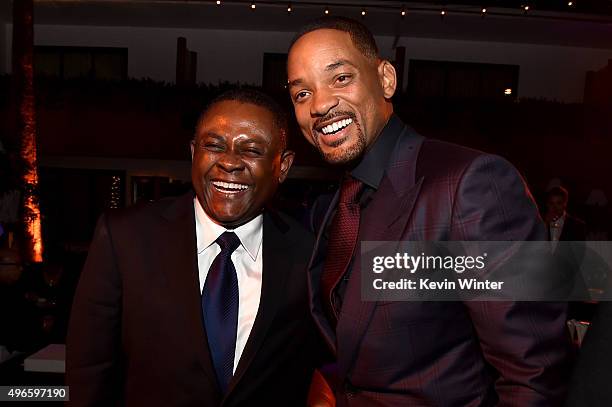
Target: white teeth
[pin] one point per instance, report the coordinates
(230, 185)
(334, 127)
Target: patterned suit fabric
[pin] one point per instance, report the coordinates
(444, 353)
(342, 242)
(220, 309)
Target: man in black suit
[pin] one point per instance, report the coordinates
(201, 301)
(561, 225)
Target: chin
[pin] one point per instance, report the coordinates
(335, 159)
(341, 156)
(227, 219)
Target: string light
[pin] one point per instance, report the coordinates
(115, 192)
(508, 92)
(525, 6)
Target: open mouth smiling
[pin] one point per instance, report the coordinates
(335, 127)
(229, 187)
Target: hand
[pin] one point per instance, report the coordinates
(320, 394)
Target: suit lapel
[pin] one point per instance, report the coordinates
(276, 268)
(315, 268)
(180, 264)
(385, 219)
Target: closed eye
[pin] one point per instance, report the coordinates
(253, 152)
(213, 147)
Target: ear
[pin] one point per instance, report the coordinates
(286, 161)
(192, 144)
(388, 78)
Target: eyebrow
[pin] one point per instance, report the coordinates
(254, 139)
(295, 82)
(251, 138)
(331, 67)
(212, 134)
(335, 65)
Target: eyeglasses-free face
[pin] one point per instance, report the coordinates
(237, 162)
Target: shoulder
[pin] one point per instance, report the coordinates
(436, 156)
(293, 234)
(440, 159)
(577, 221)
(148, 213)
(450, 150)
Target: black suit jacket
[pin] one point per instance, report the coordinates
(574, 229)
(136, 334)
(590, 385)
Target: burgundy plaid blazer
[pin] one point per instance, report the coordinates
(444, 353)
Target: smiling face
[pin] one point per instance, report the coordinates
(237, 161)
(341, 97)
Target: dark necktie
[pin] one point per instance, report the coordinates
(220, 309)
(342, 242)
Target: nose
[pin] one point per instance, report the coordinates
(322, 102)
(230, 162)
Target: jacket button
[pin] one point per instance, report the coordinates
(349, 390)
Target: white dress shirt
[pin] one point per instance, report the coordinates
(556, 228)
(248, 261)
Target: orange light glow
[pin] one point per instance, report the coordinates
(33, 246)
(30, 179)
(33, 231)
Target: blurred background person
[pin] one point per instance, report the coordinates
(561, 225)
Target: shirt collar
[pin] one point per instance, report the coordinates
(371, 168)
(207, 232)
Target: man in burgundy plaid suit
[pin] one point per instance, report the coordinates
(402, 186)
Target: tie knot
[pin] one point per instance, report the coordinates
(228, 242)
(349, 190)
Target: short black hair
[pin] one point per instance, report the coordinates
(360, 34)
(258, 98)
(558, 191)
